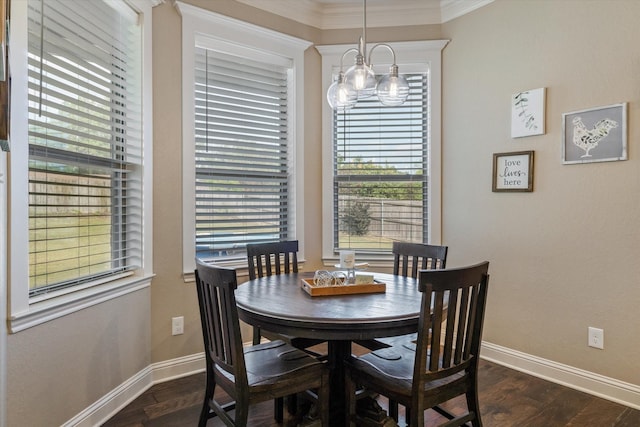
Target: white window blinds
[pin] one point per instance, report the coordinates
(380, 171)
(84, 141)
(241, 153)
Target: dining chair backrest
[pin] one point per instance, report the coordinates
(451, 321)
(220, 322)
(409, 258)
(266, 259)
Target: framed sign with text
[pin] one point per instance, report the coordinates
(513, 171)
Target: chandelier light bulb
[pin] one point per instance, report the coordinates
(359, 78)
(362, 78)
(393, 89)
(340, 95)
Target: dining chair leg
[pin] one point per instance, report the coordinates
(256, 335)
(278, 409)
(323, 401)
(393, 409)
(242, 414)
(204, 414)
(208, 395)
(473, 406)
(292, 403)
(350, 402)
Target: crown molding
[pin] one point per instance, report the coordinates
(330, 15)
(307, 12)
(451, 9)
(232, 25)
(383, 14)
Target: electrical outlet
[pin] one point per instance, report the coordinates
(596, 338)
(177, 325)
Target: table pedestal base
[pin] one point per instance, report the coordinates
(368, 411)
(370, 414)
(338, 351)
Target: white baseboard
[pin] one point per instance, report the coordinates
(178, 368)
(121, 396)
(598, 385)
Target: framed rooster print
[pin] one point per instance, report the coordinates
(595, 135)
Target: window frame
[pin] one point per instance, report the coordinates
(3, 285)
(416, 56)
(25, 311)
(202, 27)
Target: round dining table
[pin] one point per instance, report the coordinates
(278, 303)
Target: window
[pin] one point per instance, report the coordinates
(242, 86)
(384, 184)
(85, 143)
(380, 171)
(242, 151)
(84, 175)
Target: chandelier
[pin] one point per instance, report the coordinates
(360, 82)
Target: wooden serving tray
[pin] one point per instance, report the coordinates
(317, 291)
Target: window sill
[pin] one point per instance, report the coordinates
(375, 261)
(240, 266)
(54, 308)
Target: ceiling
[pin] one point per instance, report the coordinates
(336, 14)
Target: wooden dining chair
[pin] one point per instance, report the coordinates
(444, 363)
(266, 259)
(408, 260)
(252, 374)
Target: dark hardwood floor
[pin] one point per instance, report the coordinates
(507, 398)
